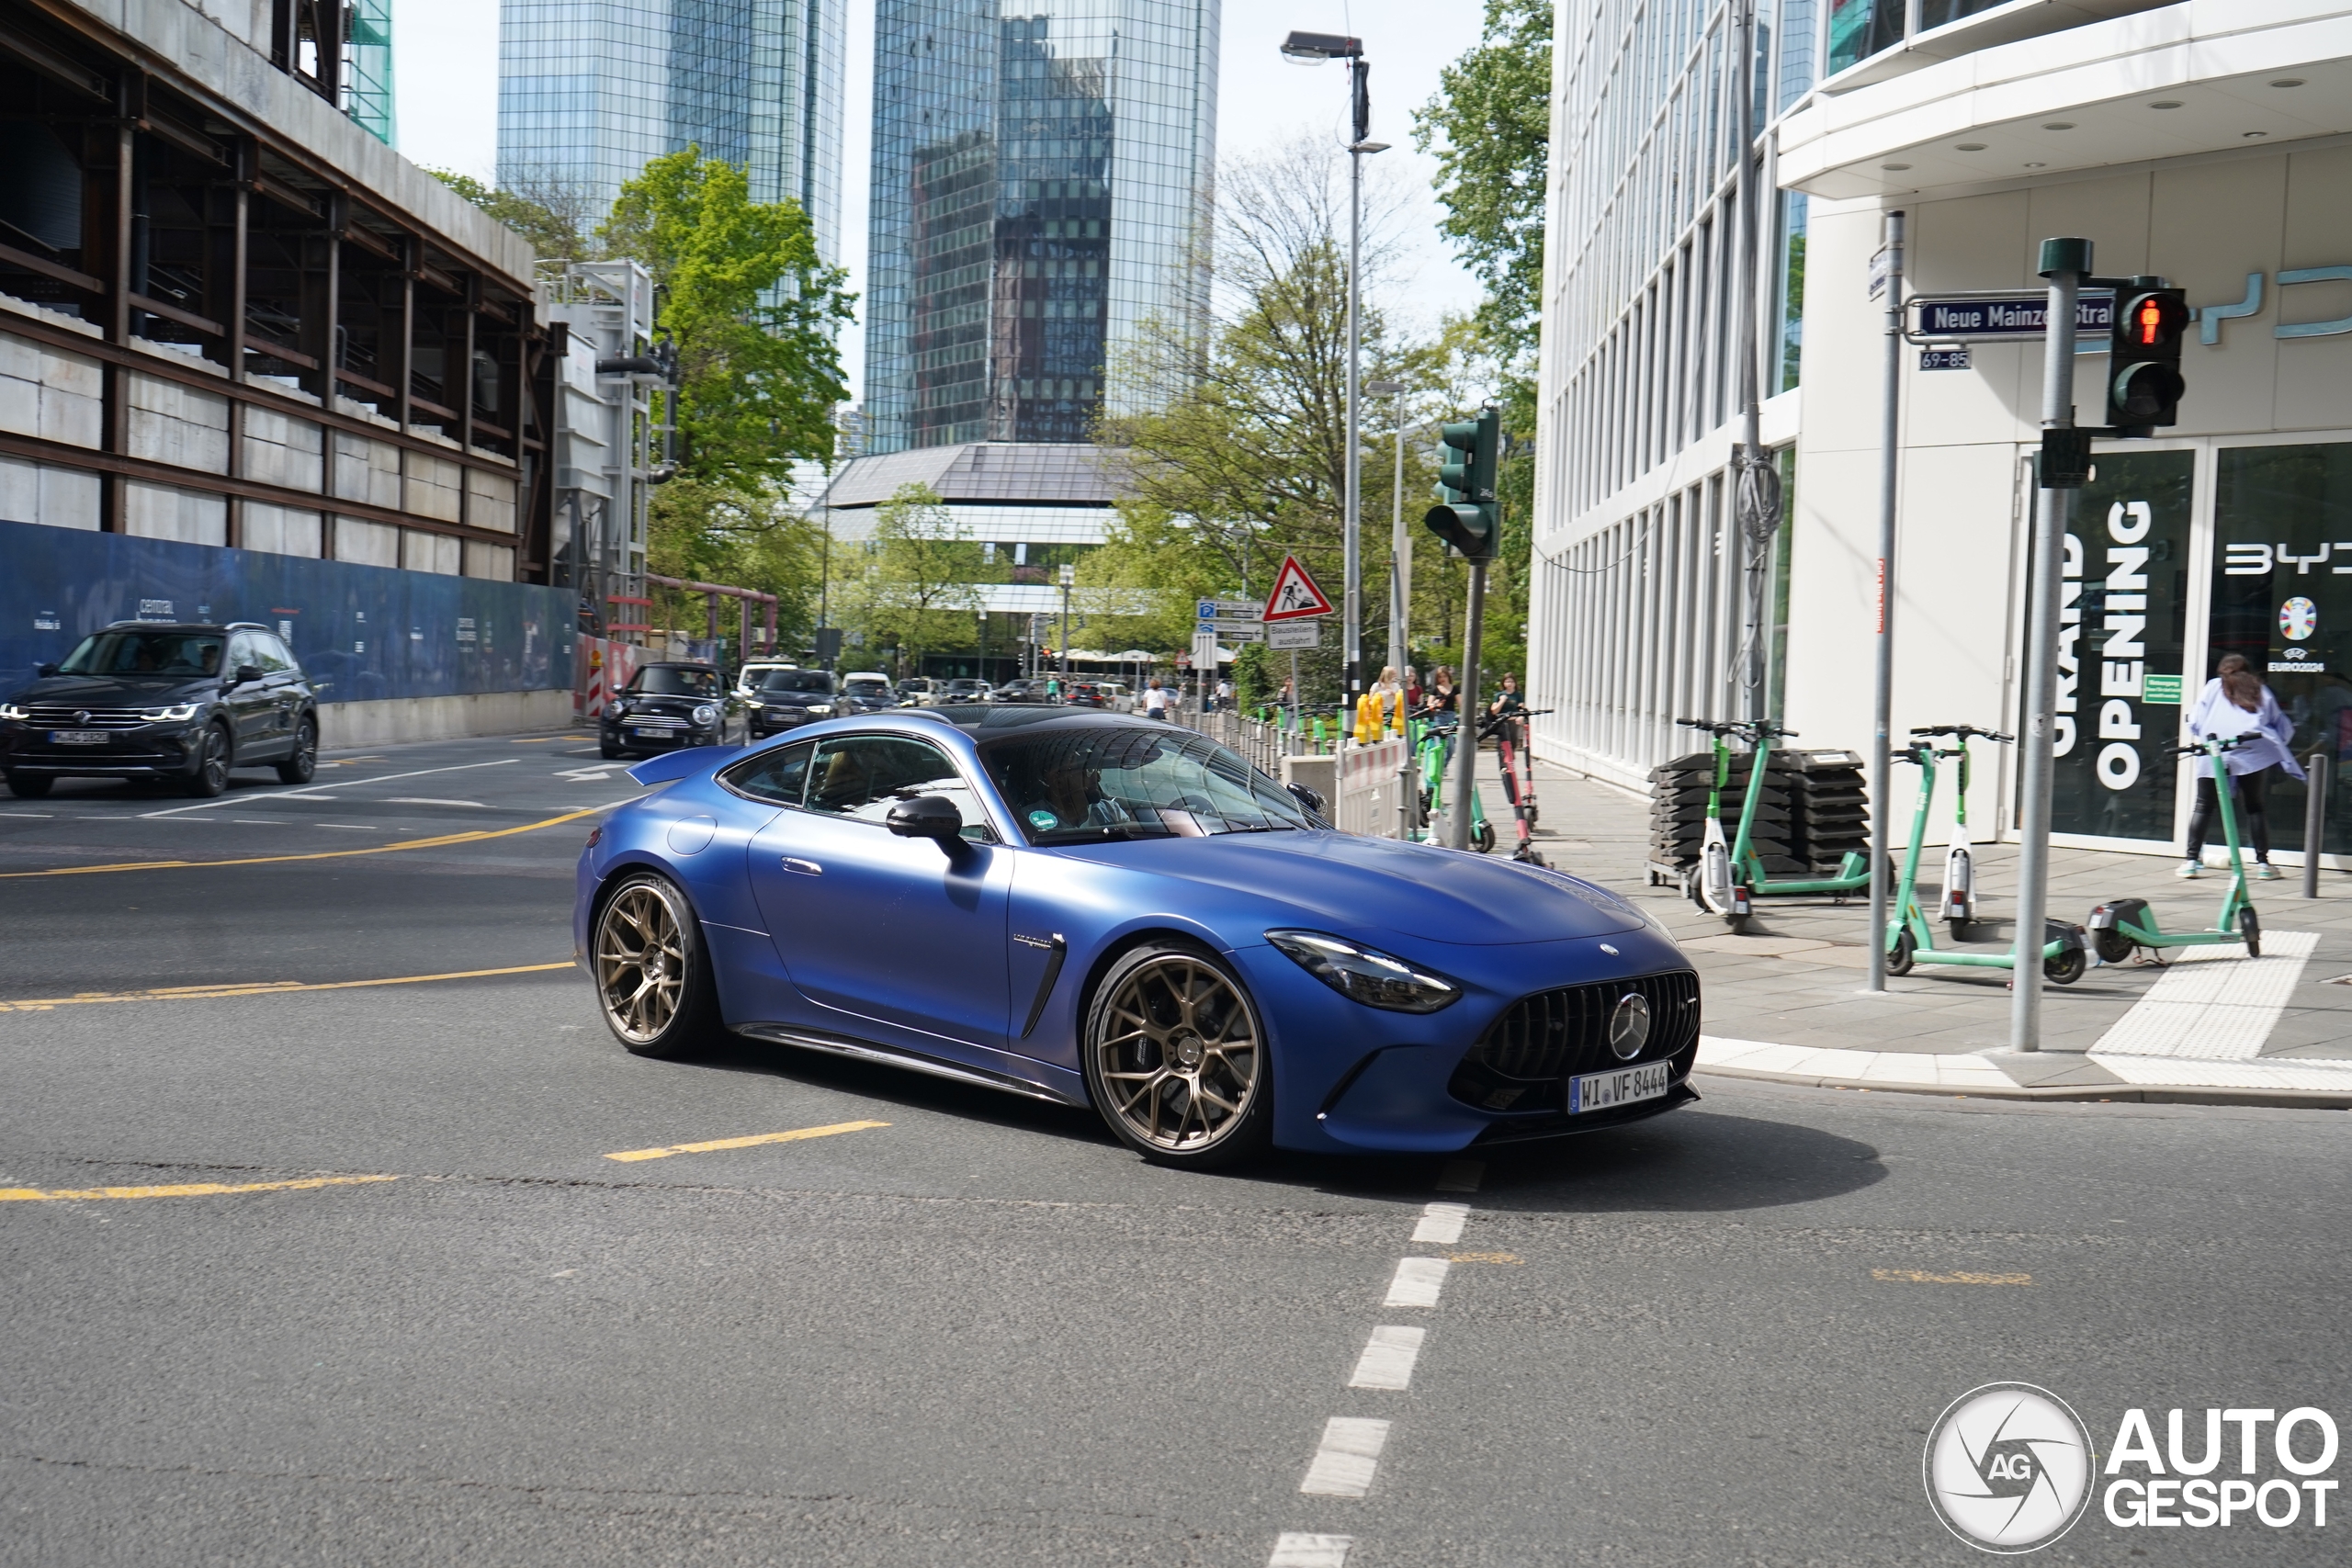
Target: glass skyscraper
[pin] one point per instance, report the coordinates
(589, 90)
(1041, 173)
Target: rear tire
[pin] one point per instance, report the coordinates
(2114, 946)
(29, 786)
(211, 775)
(652, 973)
(2066, 968)
(609, 751)
(303, 765)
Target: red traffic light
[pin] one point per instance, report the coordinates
(2155, 320)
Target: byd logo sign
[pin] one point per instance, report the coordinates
(2010, 1468)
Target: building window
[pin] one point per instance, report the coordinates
(1790, 290)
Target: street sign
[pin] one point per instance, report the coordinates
(1251, 630)
(1295, 597)
(1295, 634)
(1944, 358)
(1226, 609)
(1204, 650)
(2160, 689)
(2001, 318)
(1882, 264)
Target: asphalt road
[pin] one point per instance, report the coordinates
(979, 1332)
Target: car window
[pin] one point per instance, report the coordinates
(798, 681)
(777, 777)
(242, 651)
(673, 681)
(146, 653)
(861, 776)
(275, 658)
(1073, 786)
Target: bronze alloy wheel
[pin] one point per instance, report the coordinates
(643, 967)
(1176, 1055)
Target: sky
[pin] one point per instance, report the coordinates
(445, 72)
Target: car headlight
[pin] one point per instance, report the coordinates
(754, 702)
(1365, 974)
(178, 713)
(617, 710)
(822, 710)
(11, 710)
(706, 714)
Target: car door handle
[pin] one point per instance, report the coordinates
(805, 867)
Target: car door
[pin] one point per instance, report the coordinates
(283, 681)
(889, 938)
(253, 708)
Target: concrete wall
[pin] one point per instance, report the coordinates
(348, 725)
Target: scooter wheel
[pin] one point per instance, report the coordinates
(1483, 841)
(2114, 946)
(1898, 957)
(1959, 928)
(2069, 967)
(2250, 928)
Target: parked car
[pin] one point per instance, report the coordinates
(965, 690)
(1117, 697)
(1087, 694)
(786, 699)
(921, 691)
(182, 703)
(1021, 691)
(1185, 936)
(662, 707)
(869, 691)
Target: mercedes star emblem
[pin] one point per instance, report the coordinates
(1629, 1026)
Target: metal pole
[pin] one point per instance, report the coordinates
(1882, 741)
(1466, 701)
(1750, 409)
(2064, 263)
(1352, 529)
(1400, 558)
(2323, 767)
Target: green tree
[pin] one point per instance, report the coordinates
(1489, 128)
(709, 533)
(553, 216)
(914, 587)
(752, 312)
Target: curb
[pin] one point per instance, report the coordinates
(2120, 1093)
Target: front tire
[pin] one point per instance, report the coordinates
(29, 786)
(210, 776)
(652, 973)
(303, 765)
(2250, 928)
(1175, 1058)
(1899, 958)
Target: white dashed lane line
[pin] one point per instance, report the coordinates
(1417, 1282)
(1388, 1360)
(1296, 1549)
(1442, 1224)
(1350, 1453)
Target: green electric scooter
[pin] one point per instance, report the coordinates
(2121, 924)
(1728, 884)
(1910, 939)
(1957, 904)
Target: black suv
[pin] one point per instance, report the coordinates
(786, 699)
(665, 706)
(145, 700)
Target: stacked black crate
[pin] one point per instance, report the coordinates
(1679, 794)
(1829, 808)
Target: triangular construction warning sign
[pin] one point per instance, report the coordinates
(1295, 597)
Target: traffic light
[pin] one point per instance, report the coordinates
(2144, 379)
(1467, 520)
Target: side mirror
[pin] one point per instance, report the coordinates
(1310, 798)
(932, 816)
(45, 670)
(246, 674)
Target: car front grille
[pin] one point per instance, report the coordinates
(653, 721)
(85, 718)
(1528, 1053)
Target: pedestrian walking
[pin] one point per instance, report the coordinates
(1155, 700)
(2237, 702)
(1508, 700)
(1224, 695)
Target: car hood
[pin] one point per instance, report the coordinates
(1344, 882)
(118, 691)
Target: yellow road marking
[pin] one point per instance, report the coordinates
(1916, 1277)
(432, 843)
(262, 988)
(1484, 1257)
(792, 1137)
(194, 1189)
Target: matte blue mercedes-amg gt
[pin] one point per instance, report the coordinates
(1105, 910)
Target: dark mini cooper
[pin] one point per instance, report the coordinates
(663, 706)
(179, 703)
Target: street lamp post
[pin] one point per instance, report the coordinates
(1313, 49)
(1400, 544)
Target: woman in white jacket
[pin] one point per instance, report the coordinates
(2235, 701)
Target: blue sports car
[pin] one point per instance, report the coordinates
(1103, 910)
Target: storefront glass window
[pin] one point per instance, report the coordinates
(2282, 596)
(2123, 630)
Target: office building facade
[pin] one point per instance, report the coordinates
(589, 91)
(2209, 145)
(1040, 173)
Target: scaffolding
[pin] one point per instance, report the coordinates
(605, 437)
(368, 68)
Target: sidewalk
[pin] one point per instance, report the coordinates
(1785, 999)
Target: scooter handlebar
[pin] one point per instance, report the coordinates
(2213, 744)
(1965, 731)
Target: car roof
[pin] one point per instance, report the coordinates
(676, 664)
(185, 626)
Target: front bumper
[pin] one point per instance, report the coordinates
(626, 738)
(152, 749)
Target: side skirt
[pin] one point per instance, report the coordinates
(866, 1051)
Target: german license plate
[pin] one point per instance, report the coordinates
(1600, 1091)
(77, 738)
(645, 732)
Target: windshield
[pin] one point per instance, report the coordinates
(674, 681)
(146, 653)
(869, 688)
(798, 681)
(1082, 786)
